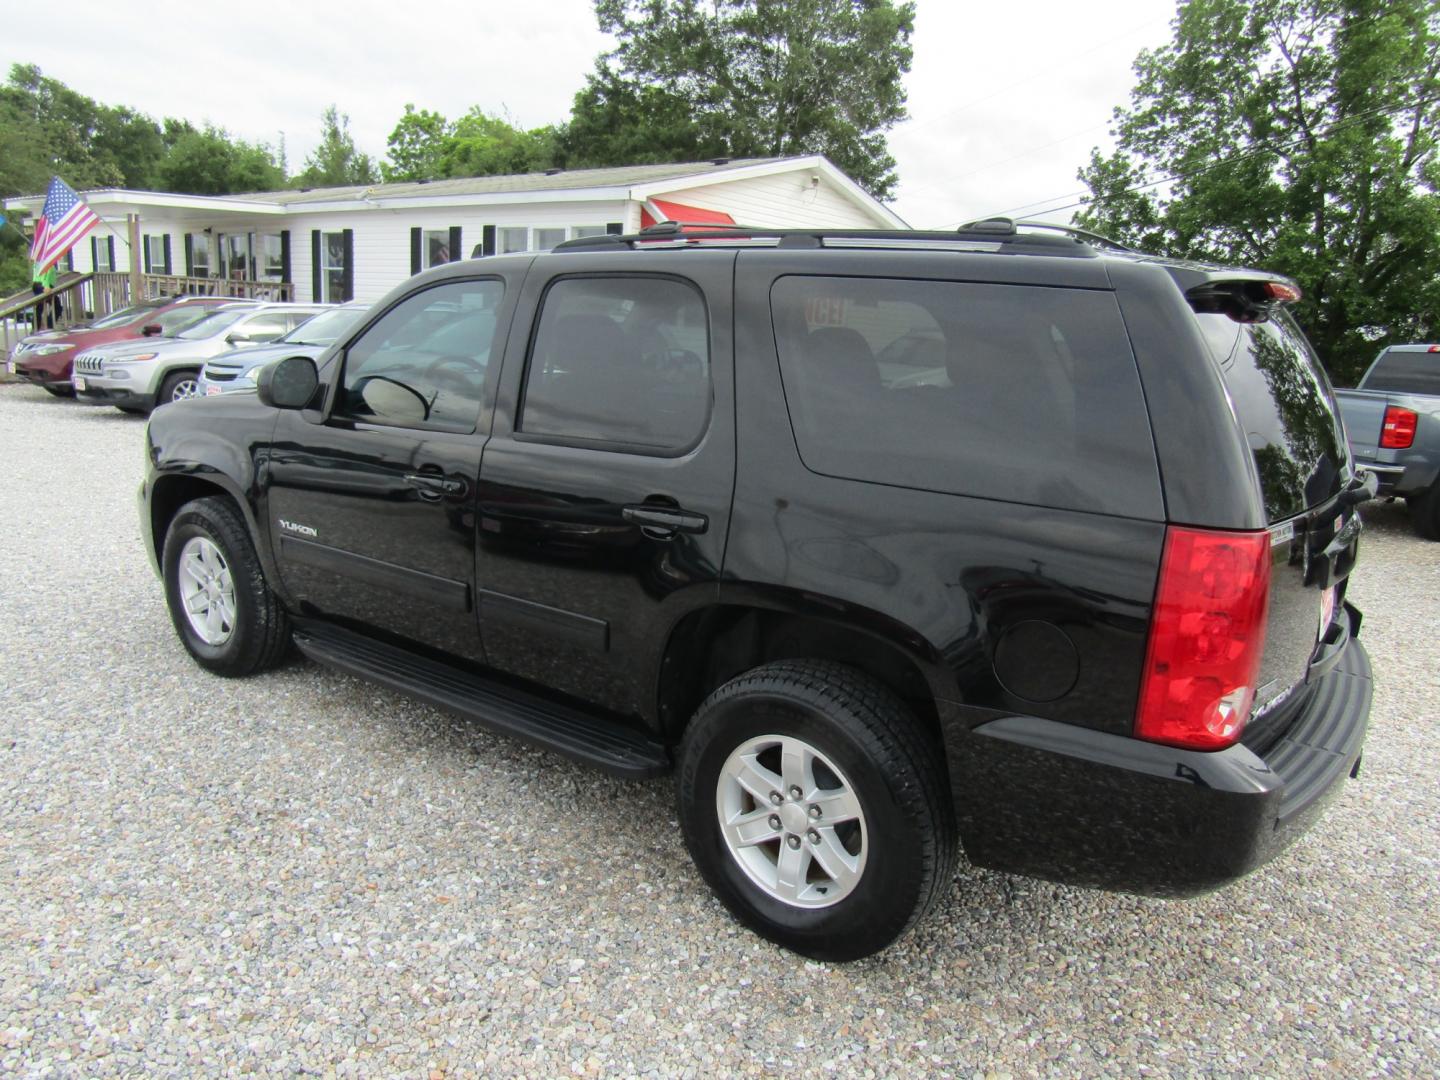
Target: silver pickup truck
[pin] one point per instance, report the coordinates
(1393, 421)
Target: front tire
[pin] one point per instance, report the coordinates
(178, 386)
(816, 808)
(221, 606)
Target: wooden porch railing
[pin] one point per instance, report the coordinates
(25, 313)
(114, 289)
(92, 296)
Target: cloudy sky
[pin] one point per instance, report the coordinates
(1006, 100)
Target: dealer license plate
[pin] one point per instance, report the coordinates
(80, 382)
(211, 391)
(10, 366)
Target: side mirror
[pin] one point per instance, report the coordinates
(151, 329)
(237, 337)
(288, 383)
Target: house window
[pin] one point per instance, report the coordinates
(435, 248)
(67, 262)
(200, 255)
(235, 257)
(545, 239)
(269, 257)
(580, 231)
(154, 254)
(101, 249)
(514, 239)
(332, 268)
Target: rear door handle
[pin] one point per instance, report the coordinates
(664, 520)
(434, 485)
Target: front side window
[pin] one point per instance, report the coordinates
(622, 360)
(424, 363)
(1009, 392)
(213, 324)
(332, 268)
(514, 239)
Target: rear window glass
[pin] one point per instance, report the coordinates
(1405, 373)
(1285, 406)
(1010, 392)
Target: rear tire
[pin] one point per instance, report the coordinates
(856, 755)
(224, 611)
(1425, 512)
(178, 386)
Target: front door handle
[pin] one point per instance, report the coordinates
(432, 485)
(664, 521)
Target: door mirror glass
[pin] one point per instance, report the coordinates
(151, 329)
(288, 383)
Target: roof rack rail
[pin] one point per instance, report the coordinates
(992, 234)
(989, 224)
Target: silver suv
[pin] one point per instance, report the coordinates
(139, 375)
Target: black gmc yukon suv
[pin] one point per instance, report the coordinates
(882, 541)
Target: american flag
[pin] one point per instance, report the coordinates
(64, 220)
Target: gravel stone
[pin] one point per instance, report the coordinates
(303, 874)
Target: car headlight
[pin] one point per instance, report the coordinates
(137, 357)
(50, 350)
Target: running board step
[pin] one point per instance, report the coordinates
(589, 739)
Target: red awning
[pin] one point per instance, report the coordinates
(674, 211)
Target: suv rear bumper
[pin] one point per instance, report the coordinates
(1057, 801)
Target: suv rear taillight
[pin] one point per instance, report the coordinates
(1398, 431)
(1207, 635)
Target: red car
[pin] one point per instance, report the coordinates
(45, 358)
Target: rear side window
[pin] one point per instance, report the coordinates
(620, 360)
(1285, 407)
(1011, 392)
(1405, 373)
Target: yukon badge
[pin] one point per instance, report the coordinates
(302, 530)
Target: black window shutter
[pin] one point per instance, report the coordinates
(348, 275)
(168, 264)
(316, 293)
(615, 228)
(487, 244)
(285, 255)
(110, 250)
(455, 240)
(146, 244)
(416, 260)
(94, 253)
(189, 254)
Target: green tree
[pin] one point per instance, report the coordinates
(211, 162)
(1299, 135)
(415, 146)
(336, 162)
(747, 78)
(483, 145)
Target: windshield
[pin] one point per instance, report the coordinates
(324, 328)
(213, 324)
(177, 319)
(122, 317)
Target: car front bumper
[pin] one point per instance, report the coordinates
(1085, 807)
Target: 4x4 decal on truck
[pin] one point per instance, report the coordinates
(295, 527)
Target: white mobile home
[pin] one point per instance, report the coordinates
(335, 244)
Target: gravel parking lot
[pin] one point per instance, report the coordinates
(302, 873)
